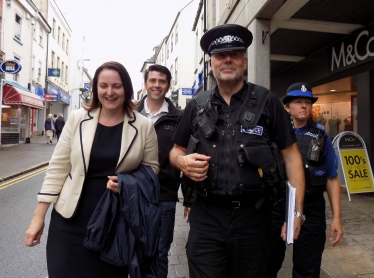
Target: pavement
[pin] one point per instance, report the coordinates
(354, 257)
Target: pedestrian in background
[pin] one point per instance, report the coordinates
(49, 127)
(321, 174)
(164, 116)
(59, 125)
(105, 138)
(223, 146)
(54, 120)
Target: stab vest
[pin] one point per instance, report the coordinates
(242, 154)
(315, 171)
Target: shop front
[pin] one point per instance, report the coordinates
(57, 100)
(342, 77)
(16, 111)
(38, 116)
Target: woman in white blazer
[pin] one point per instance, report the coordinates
(105, 138)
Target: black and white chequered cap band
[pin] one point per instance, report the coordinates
(226, 39)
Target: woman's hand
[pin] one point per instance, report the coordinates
(112, 184)
(35, 231)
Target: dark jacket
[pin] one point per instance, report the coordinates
(125, 227)
(59, 123)
(49, 124)
(165, 127)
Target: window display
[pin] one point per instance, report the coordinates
(9, 120)
(335, 116)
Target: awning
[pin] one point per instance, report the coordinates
(14, 95)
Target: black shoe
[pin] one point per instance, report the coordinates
(50, 141)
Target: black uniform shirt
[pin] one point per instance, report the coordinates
(279, 120)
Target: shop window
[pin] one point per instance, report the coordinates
(176, 71)
(41, 35)
(334, 112)
(40, 71)
(16, 75)
(54, 28)
(18, 27)
(63, 41)
(9, 120)
(176, 33)
(67, 46)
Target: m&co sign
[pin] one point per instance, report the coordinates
(10, 67)
(352, 51)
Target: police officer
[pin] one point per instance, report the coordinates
(164, 115)
(320, 165)
(222, 146)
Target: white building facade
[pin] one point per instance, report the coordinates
(57, 95)
(23, 40)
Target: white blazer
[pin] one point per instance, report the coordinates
(70, 160)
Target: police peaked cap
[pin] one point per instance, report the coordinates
(299, 90)
(226, 37)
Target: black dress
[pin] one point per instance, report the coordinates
(66, 256)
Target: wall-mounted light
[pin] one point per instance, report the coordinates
(8, 3)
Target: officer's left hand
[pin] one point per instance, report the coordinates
(284, 231)
(296, 226)
(337, 229)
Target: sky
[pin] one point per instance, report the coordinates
(125, 31)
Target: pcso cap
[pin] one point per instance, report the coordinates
(226, 37)
(299, 90)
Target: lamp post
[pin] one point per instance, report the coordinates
(31, 112)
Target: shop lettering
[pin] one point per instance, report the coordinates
(358, 174)
(350, 139)
(350, 55)
(351, 160)
(31, 100)
(10, 68)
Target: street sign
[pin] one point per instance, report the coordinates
(54, 72)
(87, 86)
(188, 91)
(10, 66)
(354, 163)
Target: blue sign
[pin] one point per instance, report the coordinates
(55, 94)
(64, 97)
(188, 91)
(38, 91)
(10, 66)
(54, 72)
(87, 86)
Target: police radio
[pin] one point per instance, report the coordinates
(206, 124)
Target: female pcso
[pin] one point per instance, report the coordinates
(320, 168)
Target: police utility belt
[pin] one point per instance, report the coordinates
(233, 201)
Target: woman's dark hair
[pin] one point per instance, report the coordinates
(129, 104)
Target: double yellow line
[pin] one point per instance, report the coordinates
(22, 178)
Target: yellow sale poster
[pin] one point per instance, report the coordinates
(357, 170)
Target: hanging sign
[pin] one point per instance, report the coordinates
(10, 66)
(354, 163)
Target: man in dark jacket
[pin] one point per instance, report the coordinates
(164, 115)
(59, 125)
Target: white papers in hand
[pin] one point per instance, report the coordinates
(290, 213)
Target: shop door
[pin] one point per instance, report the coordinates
(22, 124)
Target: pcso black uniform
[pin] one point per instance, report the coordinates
(230, 219)
(319, 161)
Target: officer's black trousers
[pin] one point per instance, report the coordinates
(308, 248)
(226, 242)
